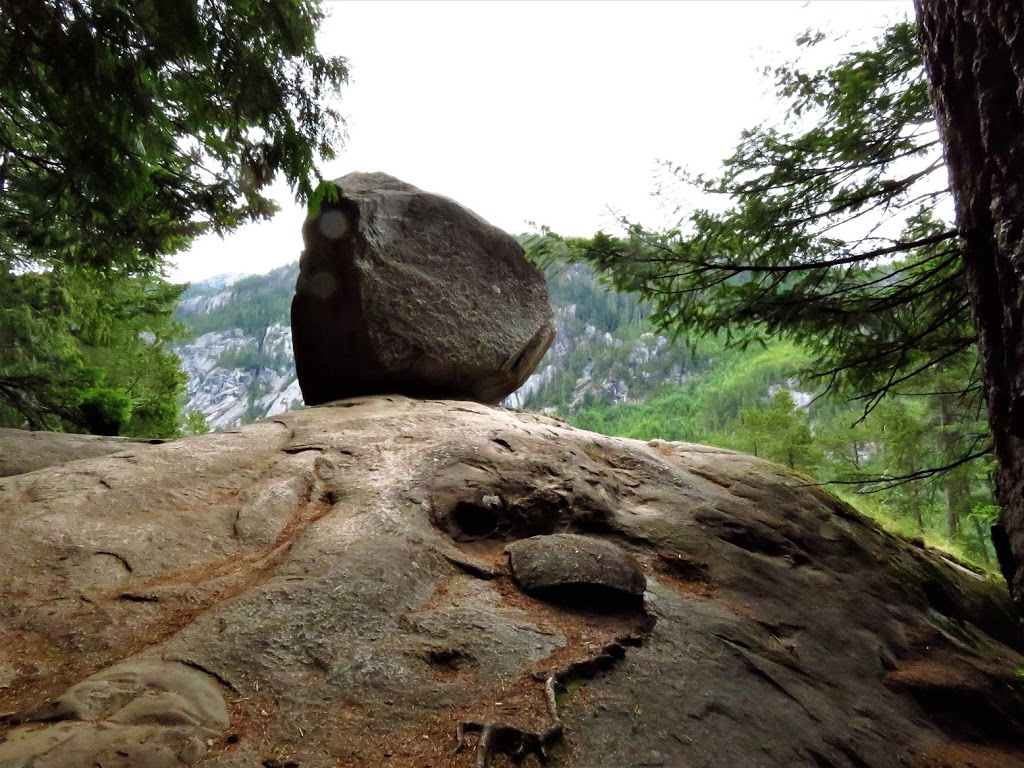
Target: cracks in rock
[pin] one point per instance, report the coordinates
(680, 566)
(184, 594)
(518, 743)
(119, 558)
(205, 670)
(138, 597)
(503, 443)
(711, 478)
(303, 447)
(471, 568)
(757, 666)
(292, 448)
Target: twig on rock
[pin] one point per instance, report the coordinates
(518, 744)
(507, 740)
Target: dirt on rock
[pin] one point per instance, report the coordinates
(332, 588)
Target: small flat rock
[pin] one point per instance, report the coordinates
(566, 561)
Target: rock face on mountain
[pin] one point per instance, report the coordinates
(403, 291)
(226, 387)
(392, 582)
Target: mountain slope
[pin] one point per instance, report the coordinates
(240, 364)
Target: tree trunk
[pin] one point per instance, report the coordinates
(974, 51)
(957, 480)
(982, 541)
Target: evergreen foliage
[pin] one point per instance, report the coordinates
(127, 128)
(81, 351)
(826, 230)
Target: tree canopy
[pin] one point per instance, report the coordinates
(127, 128)
(826, 229)
(87, 352)
(829, 229)
(130, 126)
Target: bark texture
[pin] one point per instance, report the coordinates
(974, 51)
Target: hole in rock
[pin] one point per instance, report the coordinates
(985, 714)
(497, 517)
(683, 567)
(448, 658)
(820, 760)
(940, 599)
(473, 521)
(799, 558)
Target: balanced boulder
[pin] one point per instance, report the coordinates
(404, 291)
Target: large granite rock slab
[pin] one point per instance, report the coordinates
(331, 588)
(139, 714)
(404, 291)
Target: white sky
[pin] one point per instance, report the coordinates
(547, 111)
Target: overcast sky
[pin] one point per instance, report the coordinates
(544, 111)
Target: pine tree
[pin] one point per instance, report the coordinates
(127, 128)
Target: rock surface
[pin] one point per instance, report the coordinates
(403, 291)
(145, 714)
(331, 588)
(22, 451)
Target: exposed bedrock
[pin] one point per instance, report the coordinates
(399, 583)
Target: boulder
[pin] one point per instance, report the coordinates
(404, 291)
(567, 566)
(332, 588)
